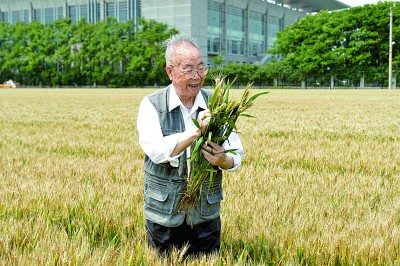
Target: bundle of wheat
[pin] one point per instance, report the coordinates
(224, 114)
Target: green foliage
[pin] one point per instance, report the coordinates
(63, 53)
(218, 60)
(224, 114)
(346, 44)
(354, 39)
(258, 75)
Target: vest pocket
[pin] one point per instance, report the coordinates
(211, 198)
(158, 197)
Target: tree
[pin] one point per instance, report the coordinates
(147, 57)
(355, 39)
(218, 60)
(9, 55)
(64, 53)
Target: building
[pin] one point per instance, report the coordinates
(236, 30)
(46, 11)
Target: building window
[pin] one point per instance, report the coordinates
(19, 15)
(97, 12)
(235, 30)
(256, 23)
(72, 13)
(77, 13)
(37, 15)
(15, 16)
(26, 16)
(122, 12)
(48, 15)
(214, 27)
(214, 17)
(235, 19)
(59, 12)
(118, 10)
(288, 22)
(138, 9)
(4, 16)
(274, 26)
(83, 12)
(110, 10)
(256, 33)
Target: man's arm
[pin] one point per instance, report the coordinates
(190, 135)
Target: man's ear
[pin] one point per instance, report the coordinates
(169, 70)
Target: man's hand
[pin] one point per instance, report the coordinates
(216, 155)
(203, 119)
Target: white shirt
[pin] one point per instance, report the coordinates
(159, 148)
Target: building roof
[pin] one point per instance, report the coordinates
(314, 5)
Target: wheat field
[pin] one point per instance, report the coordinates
(319, 183)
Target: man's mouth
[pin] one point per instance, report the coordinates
(193, 86)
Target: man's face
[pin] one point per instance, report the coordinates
(187, 58)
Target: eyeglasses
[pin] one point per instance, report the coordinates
(190, 73)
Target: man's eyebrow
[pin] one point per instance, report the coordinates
(187, 66)
(190, 65)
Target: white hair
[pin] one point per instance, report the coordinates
(173, 42)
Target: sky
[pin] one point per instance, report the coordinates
(353, 3)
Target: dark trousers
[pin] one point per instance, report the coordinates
(202, 238)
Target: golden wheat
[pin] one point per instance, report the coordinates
(319, 183)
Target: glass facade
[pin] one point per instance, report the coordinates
(3, 16)
(122, 14)
(214, 27)
(138, 9)
(117, 10)
(110, 10)
(19, 15)
(37, 15)
(59, 12)
(122, 10)
(288, 22)
(83, 12)
(73, 13)
(256, 33)
(79, 12)
(47, 15)
(274, 26)
(238, 33)
(235, 30)
(232, 30)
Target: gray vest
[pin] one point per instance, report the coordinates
(164, 184)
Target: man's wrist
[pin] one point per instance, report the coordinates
(228, 162)
(197, 133)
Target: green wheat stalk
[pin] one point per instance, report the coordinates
(224, 114)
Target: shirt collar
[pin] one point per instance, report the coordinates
(174, 100)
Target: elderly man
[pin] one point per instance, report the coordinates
(166, 132)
